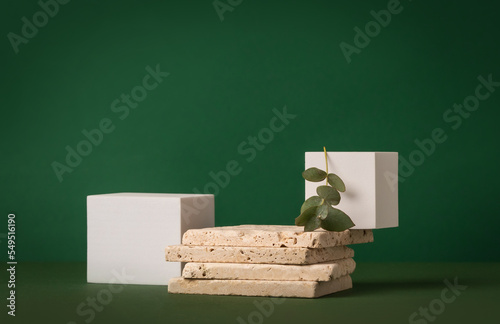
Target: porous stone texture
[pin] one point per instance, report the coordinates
(242, 254)
(273, 236)
(239, 271)
(272, 288)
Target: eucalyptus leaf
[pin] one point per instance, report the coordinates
(312, 224)
(307, 214)
(335, 181)
(311, 202)
(336, 221)
(314, 174)
(329, 194)
(322, 211)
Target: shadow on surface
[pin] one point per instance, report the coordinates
(370, 288)
(382, 287)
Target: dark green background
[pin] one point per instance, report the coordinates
(225, 79)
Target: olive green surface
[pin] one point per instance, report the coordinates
(383, 293)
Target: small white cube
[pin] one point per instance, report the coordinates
(127, 234)
(371, 196)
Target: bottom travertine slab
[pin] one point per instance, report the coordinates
(240, 271)
(273, 288)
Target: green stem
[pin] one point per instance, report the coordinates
(326, 162)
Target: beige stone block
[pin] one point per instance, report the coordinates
(240, 271)
(272, 288)
(242, 254)
(273, 236)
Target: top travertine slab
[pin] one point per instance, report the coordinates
(273, 236)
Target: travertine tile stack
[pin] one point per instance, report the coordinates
(261, 260)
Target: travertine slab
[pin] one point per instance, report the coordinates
(242, 254)
(304, 289)
(273, 236)
(239, 271)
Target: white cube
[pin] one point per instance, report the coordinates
(127, 234)
(371, 196)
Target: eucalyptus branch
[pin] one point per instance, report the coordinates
(318, 211)
(326, 162)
